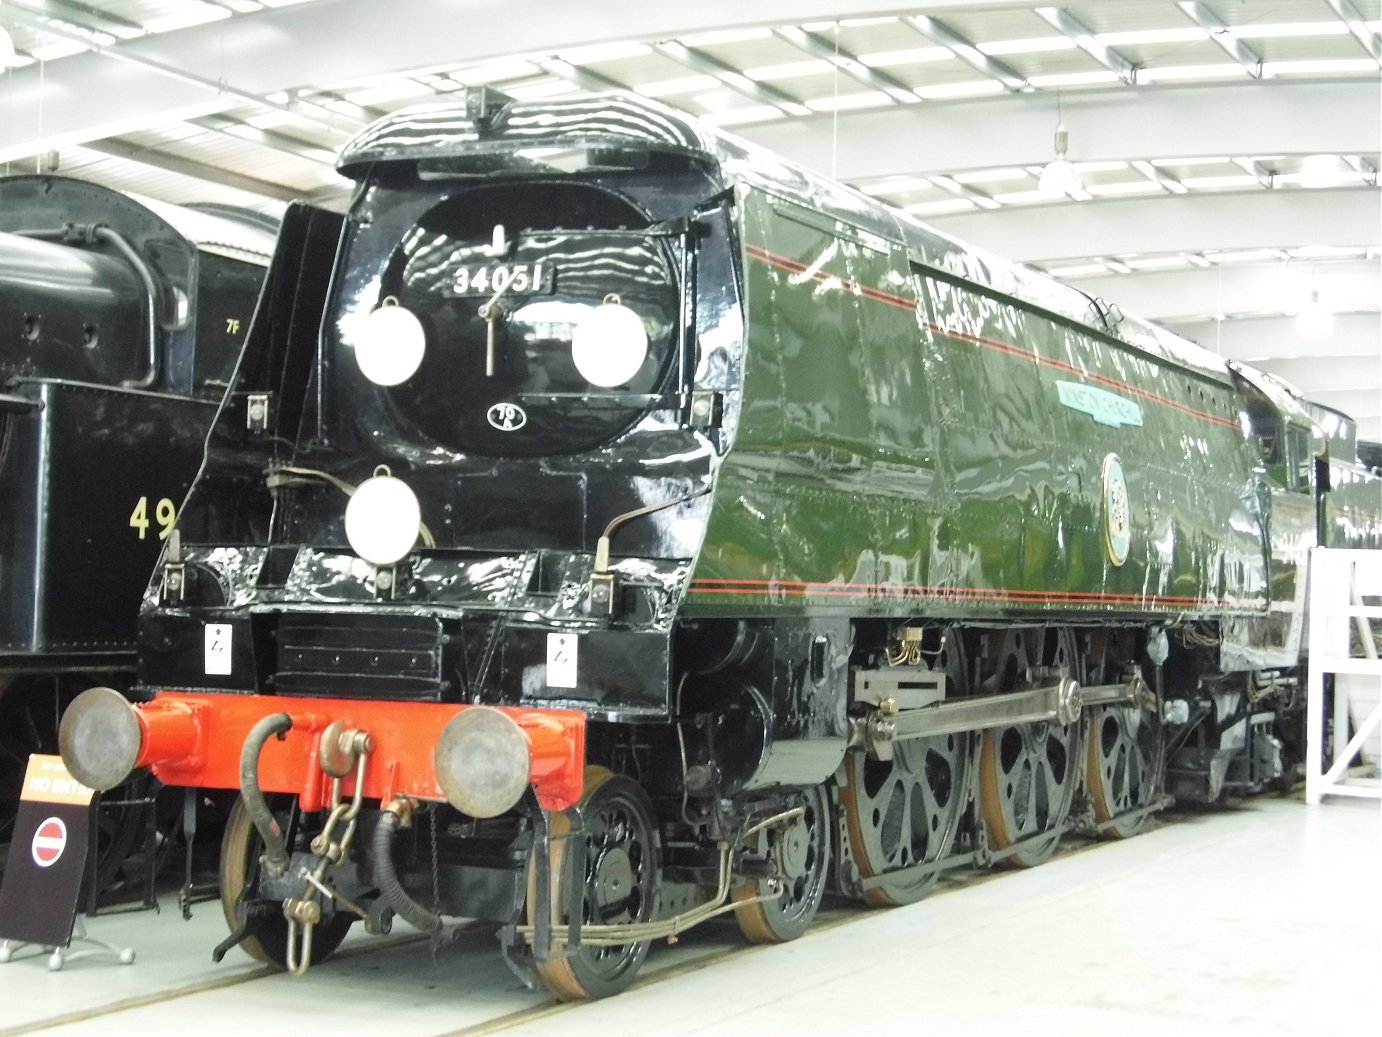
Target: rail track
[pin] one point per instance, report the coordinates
(459, 989)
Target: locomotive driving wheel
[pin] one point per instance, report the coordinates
(905, 812)
(1028, 772)
(1123, 766)
(241, 847)
(800, 851)
(622, 875)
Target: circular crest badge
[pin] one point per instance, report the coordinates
(1117, 511)
(507, 417)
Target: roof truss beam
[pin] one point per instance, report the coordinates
(1342, 117)
(1160, 176)
(1357, 25)
(1211, 23)
(698, 61)
(283, 144)
(1234, 291)
(811, 43)
(577, 76)
(966, 51)
(123, 54)
(1068, 25)
(188, 167)
(1346, 217)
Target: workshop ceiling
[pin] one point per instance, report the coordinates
(1225, 152)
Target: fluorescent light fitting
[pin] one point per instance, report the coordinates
(1327, 252)
(1192, 160)
(1202, 183)
(1177, 72)
(849, 102)
(1319, 67)
(494, 72)
(399, 90)
(988, 176)
(724, 36)
(1137, 37)
(1081, 270)
(184, 17)
(964, 88)
(1158, 262)
(1074, 79)
(1035, 45)
(596, 52)
(739, 116)
(1124, 187)
(1270, 31)
(1022, 197)
(899, 185)
(910, 56)
(941, 208)
(789, 70)
(1246, 255)
(680, 85)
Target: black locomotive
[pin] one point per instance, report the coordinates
(121, 323)
(610, 526)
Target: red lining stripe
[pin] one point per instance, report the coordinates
(1012, 349)
(802, 588)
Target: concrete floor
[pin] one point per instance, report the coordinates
(1262, 920)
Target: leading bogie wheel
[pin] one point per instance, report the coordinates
(622, 879)
(241, 847)
(800, 852)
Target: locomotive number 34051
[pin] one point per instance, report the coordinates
(522, 278)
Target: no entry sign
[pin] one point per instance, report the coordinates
(38, 899)
(49, 842)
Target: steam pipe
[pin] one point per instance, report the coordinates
(73, 233)
(390, 889)
(150, 301)
(275, 845)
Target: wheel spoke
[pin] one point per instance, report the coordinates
(1123, 771)
(622, 877)
(916, 825)
(800, 852)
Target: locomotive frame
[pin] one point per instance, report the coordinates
(853, 555)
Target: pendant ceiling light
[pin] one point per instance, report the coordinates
(1060, 178)
(1315, 318)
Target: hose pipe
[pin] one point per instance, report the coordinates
(275, 845)
(390, 889)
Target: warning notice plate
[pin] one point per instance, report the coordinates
(561, 660)
(218, 649)
(48, 844)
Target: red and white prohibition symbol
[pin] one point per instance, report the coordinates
(49, 842)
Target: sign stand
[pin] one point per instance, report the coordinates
(38, 899)
(59, 956)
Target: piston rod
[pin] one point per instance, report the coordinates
(1061, 702)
